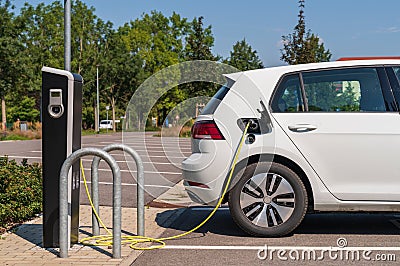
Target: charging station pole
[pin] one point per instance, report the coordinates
(61, 135)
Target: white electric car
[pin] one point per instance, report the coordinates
(322, 137)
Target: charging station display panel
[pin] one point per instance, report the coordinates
(61, 135)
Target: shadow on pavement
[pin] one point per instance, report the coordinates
(221, 223)
(348, 223)
(31, 232)
(34, 234)
(322, 223)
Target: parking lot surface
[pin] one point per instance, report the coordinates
(336, 239)
(161, 158)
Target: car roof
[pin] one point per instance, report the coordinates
(323, 65)
(258, 76)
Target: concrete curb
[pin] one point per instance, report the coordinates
(176, 197)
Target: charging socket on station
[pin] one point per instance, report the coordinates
(55, 108)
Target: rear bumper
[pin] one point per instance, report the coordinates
(209, 168)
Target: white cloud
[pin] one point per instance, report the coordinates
(393, 29)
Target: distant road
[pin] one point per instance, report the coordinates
(161, 157)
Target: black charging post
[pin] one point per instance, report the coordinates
(61, 109)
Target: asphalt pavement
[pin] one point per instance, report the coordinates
(161, 157)
(328, 238)
(335, 239)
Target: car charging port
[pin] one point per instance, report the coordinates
(250, 139)
(254, 127)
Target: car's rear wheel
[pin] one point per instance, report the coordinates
(269, 200)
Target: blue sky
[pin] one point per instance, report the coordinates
(347, 27)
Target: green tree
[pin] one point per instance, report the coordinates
(123, 74)
(10, 48)
(90, 48)
(199, 42)
(302, 46)
(124, 57)
(24, 111)
(158, 41)
(43, 38)
(243, 57)
(43, 41)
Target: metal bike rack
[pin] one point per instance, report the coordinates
(101, 154)
(116, 249)
(140, 187)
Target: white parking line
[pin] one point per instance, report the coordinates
(275, 248)
(152, 156)
(128, 184)
(149, 143)
(165, 147)
(168, 145)
(21, 157)
(150, 150)
(101, 169)
(88, 160)
(128, 171)
(136, 139)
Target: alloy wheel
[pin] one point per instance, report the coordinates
(267, 199)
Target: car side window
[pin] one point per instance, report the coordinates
(397, 72)
(344, 90)
(288, 97)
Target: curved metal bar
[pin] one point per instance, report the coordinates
(64, 198)
(140, 186)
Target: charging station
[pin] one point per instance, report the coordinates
(61, 109)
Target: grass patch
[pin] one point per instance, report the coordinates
(151, 128)
(183, 132)
(88, 132)
(15, 137)
(17, 134)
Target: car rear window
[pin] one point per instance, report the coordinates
(212, 105)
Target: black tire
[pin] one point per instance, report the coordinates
(274, 214)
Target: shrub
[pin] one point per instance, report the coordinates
(20, 191)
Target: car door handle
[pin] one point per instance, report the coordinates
(302, 127)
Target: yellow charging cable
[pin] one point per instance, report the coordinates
(106, 240)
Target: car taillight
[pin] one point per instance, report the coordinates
(196, 184)
(206, 130)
